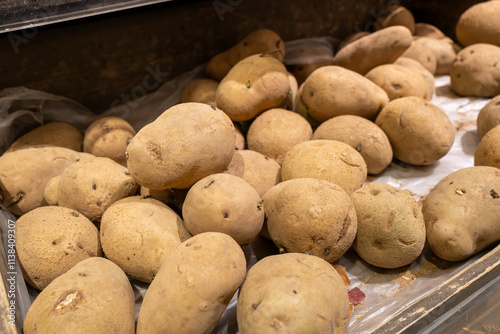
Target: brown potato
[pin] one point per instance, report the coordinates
(259, 41)
(479, 24)
(420, 133)
(398, 16)
(108, 137)
(329, 160)
(378, 48)
(399, 81)
(423, 54)
(281, 290)
(462, 212)
(275, 131)
(488, 150)
(60, 134)
(361, 134)
(476, 71)
(199, 90)
(443, 50)
(420, 69)
(391, 228)
(310, 216)
(488, 117)
(51, 240)
(325, 94)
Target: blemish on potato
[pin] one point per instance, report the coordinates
(311, 93)
(69, 301)
(294, 291)
(94, 186)
(494, 194)
(248, 84)
(255, 305)
(209, 184)
(54, 242)
(460, 191)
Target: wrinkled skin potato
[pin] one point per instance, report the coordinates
(292, 293)
(138, 234)
(183, 145)
(59, 134)
(462, 212)
(488, 150)
(310, 216)
(256, 83)
(479, 24)
(25, 172)
(391, 228)
(259, 41)
(325, 94)
(476, 71)
(224, 203)
(51, 240)
(199, 90)
(420, 69)
(194, 286)
(488, 117)
(108, 137)
(362, 135)
(420, 133)
(95, 296)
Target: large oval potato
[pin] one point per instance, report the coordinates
(332, 91)
(462, 212)
(95, 296)
(51, 240)
(479, 24)
(193, 286)
(310, 216)
(183, 145)
(292, 293)
(488, 117)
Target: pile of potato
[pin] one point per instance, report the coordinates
(250, 152)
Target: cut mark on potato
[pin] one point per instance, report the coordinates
(209, 184)
(69, 301)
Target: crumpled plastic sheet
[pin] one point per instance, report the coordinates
(387, 291)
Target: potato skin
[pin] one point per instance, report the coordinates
(420, 69)
(259, 41)
(325, 94)
(292, 293)
(462, 212)
(193, 286)
(476, 71)
(442, 49)
(479, 24)
(488, 117)
(157, 156)
(310, 216)
(108, 137)
(428, 30)
(361, 134)
(423, 54)
(25, 172)
(95, 296)
(59, 134)
(51, 240)
(391, 228)
(420, 133)
(488, 150)
(398, 15)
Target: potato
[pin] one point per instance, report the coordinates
(51, 240)
(361, 134)
(488, 150)
(443, 50)
(224, 203)
(479, 24)
(378, 48)
(423, 54)
(462, 212)
(420, 69)
(310, 216)
(90, 187)
(138, 235)
(108, 137)
(95, 296)
(354, 37)
(289, 102)
(259, 41)
(194, 286)
(399, 81)
(476, 71)
(275, 131)
(256, 83)
(329, 160)
(199, 90)
(24, 173)
(428, 30)
(488, 117)
(259, 171)
(398, 16)
(292, 293)
(391, 228)
(240, 142)
(183, 145)
(326, 94)
(60, 134)
(420, 133)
